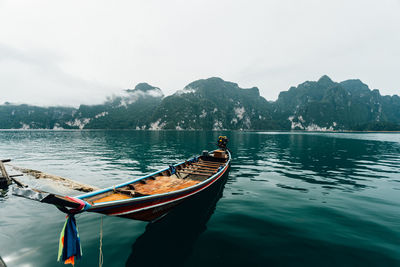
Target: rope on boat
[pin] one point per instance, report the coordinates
(101, 243)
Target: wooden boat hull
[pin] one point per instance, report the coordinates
(149, 207)
(152, 208)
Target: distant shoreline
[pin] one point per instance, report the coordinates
(188, 130)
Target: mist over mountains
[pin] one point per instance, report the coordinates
(215, 104)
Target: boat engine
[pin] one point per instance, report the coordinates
(222, 142)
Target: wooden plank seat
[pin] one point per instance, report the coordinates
(203, 168)
(207, 164)
(129, 190)
(200, 170)
(196, 173)
(125, 191)
(207, 167)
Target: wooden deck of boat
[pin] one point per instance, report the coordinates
(112, 197)
(163, 184)
(191, 174)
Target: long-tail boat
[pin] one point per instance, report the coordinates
(146, 198)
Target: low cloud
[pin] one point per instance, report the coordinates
(35, 77)
(53, 53)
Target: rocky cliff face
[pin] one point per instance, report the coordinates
(32, 117)
(327, 105)
(215, 104)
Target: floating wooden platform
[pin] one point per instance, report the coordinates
(61, 180)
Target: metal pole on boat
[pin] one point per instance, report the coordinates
(2, 263)
(5, 180)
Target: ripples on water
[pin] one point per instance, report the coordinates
(291, 199)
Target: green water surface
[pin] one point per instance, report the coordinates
(291, 199)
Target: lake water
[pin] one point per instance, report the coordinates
(291, 199)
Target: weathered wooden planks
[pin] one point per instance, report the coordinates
(63, 181)
(207, 164)
(199, 170)
(196, 173)
(112, 197)
(203, 168)
(163, 184)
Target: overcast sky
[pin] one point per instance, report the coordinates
(72, 52)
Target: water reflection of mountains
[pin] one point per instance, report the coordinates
(169, 241)
(332, 163)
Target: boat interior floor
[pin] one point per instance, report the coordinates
(187, 174)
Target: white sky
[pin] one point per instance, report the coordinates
(72, 52)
